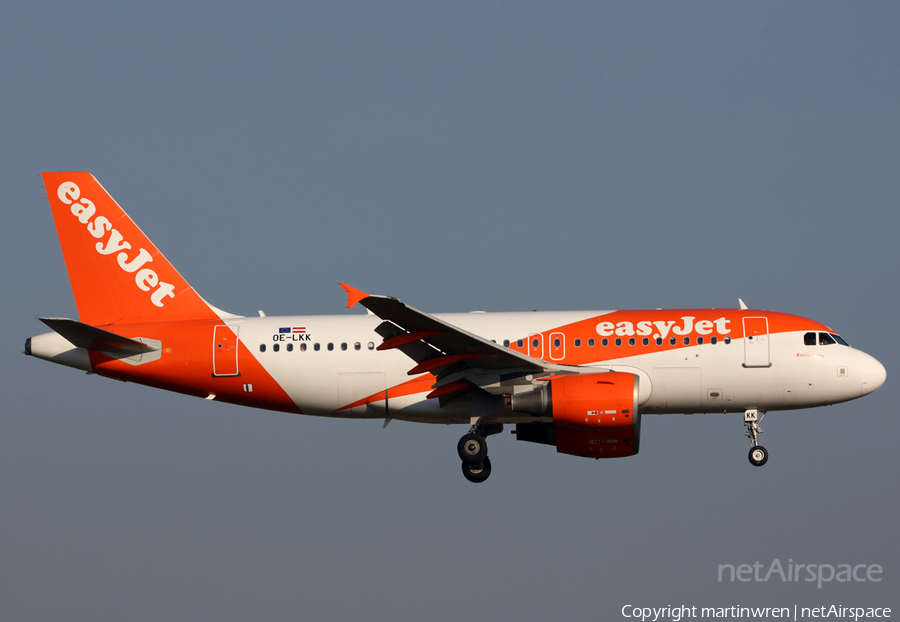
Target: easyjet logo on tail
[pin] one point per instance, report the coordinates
(100, 227)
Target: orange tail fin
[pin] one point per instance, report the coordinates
(116, 272)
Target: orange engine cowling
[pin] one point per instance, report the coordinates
(594, 415)
(594, 401)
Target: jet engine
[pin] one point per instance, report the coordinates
(594, 415)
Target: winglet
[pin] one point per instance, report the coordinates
(741, 302)
(353, 295)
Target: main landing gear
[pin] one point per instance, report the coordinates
(477, 472)
(472, 449)
(758, 454)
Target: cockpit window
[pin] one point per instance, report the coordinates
(825, 339)
(809, 339)
(839, 340)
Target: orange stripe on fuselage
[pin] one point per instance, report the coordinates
(668, 323)
(417, 385)
(186, 366)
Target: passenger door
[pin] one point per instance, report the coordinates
(756, 342)
(225, 351)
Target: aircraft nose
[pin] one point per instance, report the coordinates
(874, 376)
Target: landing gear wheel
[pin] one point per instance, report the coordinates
(472, 448)
(758, 455)
(477, 472)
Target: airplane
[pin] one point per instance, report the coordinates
(577, 380)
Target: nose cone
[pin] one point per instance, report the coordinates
(874, 375)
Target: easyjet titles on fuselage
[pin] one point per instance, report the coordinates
(145, 278)
(645, 327)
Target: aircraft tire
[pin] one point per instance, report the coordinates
(758, 455)
(477, 472)
(472, 448)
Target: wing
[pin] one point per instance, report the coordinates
(460, 360)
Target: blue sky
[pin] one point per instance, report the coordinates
(479, 155)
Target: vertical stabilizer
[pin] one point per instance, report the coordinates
(116, 272)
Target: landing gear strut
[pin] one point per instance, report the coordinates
(472, 449)
(758, 454)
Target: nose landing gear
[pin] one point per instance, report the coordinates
(472, 449)
(758, 454)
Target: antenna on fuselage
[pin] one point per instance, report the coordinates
(741, 302)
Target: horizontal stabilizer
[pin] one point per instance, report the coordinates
(93, 338)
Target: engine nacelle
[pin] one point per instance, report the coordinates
(594, 415)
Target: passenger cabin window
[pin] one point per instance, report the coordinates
(275, 347)
(604, 342)
(303, 347)
(645, 341)
(316, 347)
(370, 345)
(344, 346)
(714, 340)
(262, 347)
(556, 343)
(809, 339)
(631, 341)
(290, 347)
(506, 343)
(578, 343)
(357, 346)
(591, 342)
(659, 341)
(520, 343)
(727, 340)
(699, 341)
(330, 347)
(672, 341)
(687, 341)
(618, 341)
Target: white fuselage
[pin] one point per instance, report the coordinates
(694, 379)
